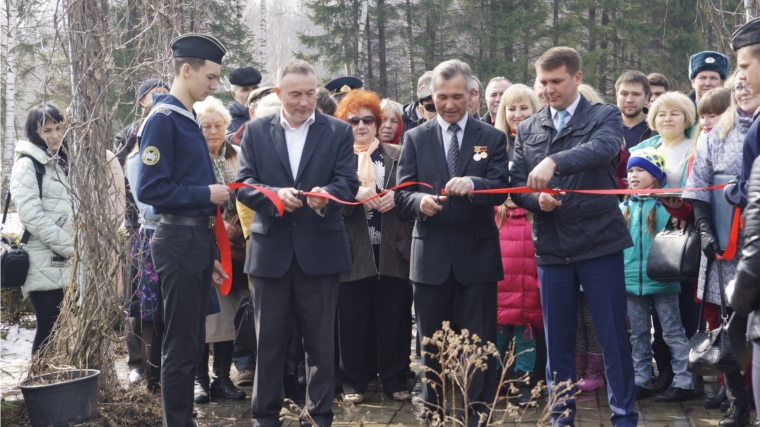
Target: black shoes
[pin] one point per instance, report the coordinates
(718, 398)
(643, 393)
(675, 394)
(664, 380)
(736, 416)
(224, 388)
(201, 392)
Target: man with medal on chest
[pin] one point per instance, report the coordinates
(455, 242)
(176, 177)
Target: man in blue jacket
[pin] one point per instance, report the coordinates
(579, 238)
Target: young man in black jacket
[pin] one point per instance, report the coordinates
(579, 238)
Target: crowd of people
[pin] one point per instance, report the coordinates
(335, 288)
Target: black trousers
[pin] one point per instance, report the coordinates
(133, 335)
(46, 305)
(434, 304)
(152, 337)
(184, 260)
(358, 302)
(314, 300)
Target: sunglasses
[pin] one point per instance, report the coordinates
(368, 120)
(430, 108)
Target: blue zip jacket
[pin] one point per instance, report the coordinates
(636, 280)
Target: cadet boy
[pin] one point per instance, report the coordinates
(176, 177)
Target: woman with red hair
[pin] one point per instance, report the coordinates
(380, 243)
(391, 128)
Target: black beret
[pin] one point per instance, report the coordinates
(201, 46)
(747, 34)
(246, 76)
(149, 85)
(336, 86)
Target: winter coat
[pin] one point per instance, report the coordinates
(636, 280)
(396, 233)
(716, 156)
(240, 115)
(411, 118)
(519, 297)
(48, 219)
(124, 142)
(746, 297)
(586, 152)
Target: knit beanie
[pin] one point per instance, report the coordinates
(649, 160)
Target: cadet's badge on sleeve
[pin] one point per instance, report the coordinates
(164, 111)
(150, 155)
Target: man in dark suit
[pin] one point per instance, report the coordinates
(294, 260)
(455, 245)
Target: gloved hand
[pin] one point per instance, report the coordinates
(703, 219)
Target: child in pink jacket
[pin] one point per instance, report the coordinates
(519, 299)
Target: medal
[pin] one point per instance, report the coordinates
(480, 153)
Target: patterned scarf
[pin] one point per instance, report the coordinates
(224, 176)
(61, 160)
(366, 171)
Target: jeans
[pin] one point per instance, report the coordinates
(640, 314)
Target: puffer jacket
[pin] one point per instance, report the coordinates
(586, 152)
(48, 220)
(746, 296)
(519, 299)
(636, 280)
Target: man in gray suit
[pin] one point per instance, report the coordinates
(455, 244)
(294, 260)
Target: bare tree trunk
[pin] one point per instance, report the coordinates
(10, 94)
(383, 64)
(362, 70)
(555, 23)
(263, 34)
(410, 47)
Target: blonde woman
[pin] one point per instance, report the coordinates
(220, 329)
(517, 104)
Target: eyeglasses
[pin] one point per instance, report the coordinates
(430, 108)
(740, 89)
(368, 120)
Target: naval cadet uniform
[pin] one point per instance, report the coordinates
(174, 175)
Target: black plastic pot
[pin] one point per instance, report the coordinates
(71, 401)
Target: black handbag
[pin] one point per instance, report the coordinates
(675, 254)
(14, 260)
(711, 353)
(245, 325)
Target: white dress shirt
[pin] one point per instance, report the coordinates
(448, 134)
(295, 138)
(570, 111)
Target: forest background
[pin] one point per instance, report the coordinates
(389, 43)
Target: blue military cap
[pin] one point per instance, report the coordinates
(203, 46)
(340, 86)
(748, 34)
(708, 61)
(149, 85)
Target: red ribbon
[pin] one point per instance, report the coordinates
(223, 241)
(733, 240)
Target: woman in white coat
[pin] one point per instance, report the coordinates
(45, 212)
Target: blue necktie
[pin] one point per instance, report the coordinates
(562, 114)
(453, 155)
